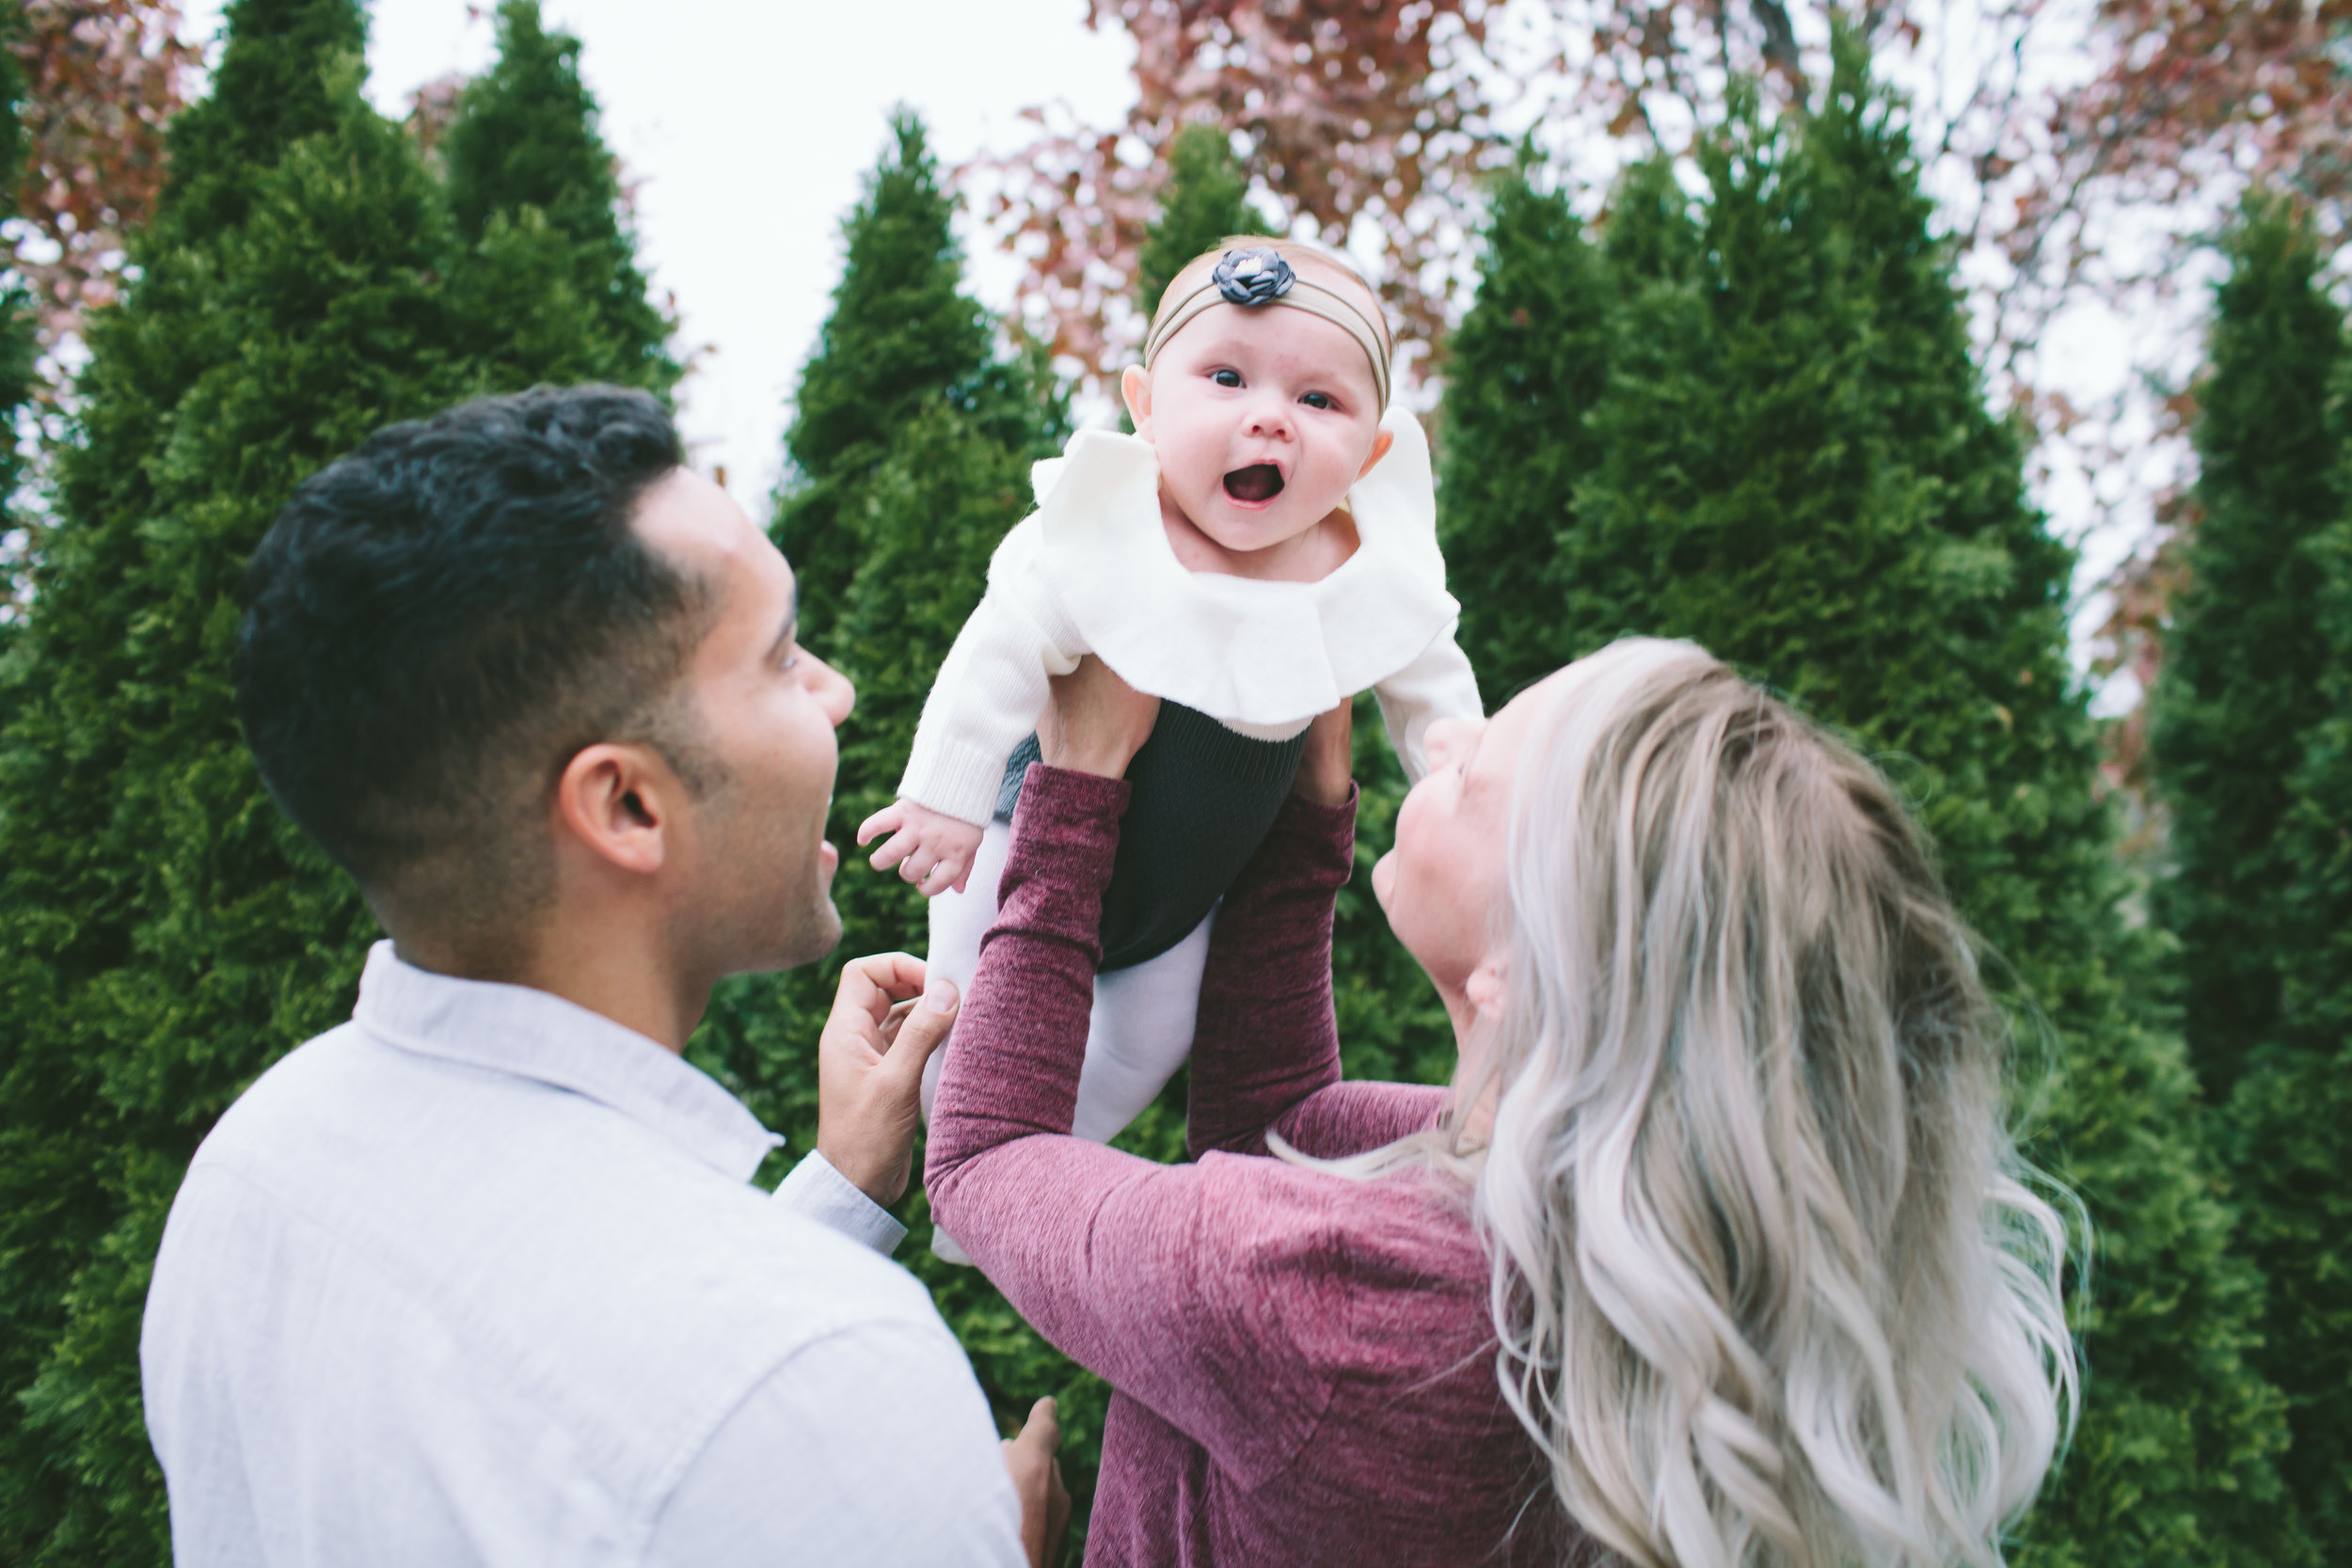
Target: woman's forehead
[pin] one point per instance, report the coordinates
(1516, 717)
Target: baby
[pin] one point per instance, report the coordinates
(1262, 548)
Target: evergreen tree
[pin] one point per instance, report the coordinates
(890, 535)
(17, 349)
(1526, 366)
(901, 334)
(164, 934)
(532, 187)
(2291, 1114)
(1204, 198)
(2244, 658)
(1795, 468)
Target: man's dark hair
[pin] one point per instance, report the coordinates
(438, 623)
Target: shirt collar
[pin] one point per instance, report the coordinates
(1242, 651)
(537, 1035)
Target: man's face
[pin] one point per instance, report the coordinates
(752, 889)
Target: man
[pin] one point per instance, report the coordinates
(480, 1277)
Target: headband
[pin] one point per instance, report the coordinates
(1251, 279)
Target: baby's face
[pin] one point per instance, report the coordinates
(1263, 418)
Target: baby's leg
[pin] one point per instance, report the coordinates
(1140, 1034)
(958, 921)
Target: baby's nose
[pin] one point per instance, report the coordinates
(1270, 417)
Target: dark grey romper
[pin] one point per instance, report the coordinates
(1202, 801)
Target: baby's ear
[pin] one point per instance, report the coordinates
(1380, 445)
(1135, 386)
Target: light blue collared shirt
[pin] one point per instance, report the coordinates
(480, 1277)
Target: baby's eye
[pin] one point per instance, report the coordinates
(1226, 378)
(1317, 400)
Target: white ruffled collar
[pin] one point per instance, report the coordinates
(1238, 649)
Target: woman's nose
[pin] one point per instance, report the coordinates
(1449, 740)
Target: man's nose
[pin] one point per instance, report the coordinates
(835, 695)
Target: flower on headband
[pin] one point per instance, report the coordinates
(1258, 276)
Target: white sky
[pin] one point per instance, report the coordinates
(746, 124)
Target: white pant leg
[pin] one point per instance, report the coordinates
(1140, 1035)
(958, 921)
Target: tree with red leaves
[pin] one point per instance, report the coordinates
(101, 77)
(1367, 125)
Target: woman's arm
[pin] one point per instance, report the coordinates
(1189, 1288)
(1266, 1052)
(1013, 1066)
(1266, 1038)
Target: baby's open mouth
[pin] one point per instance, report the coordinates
(1260, 481)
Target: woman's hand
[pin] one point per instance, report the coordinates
(1096, 722)
(1326, 772)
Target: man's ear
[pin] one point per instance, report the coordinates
(1135, 386)
(620, 803)
(1380, 445)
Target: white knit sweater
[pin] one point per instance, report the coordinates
(1091, 571)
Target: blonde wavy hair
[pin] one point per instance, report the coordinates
(1771, 1288)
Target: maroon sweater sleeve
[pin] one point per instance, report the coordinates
(1266, 1052)
(1209, 1292)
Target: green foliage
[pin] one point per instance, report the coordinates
(17, 347)
(2281, 579)
(1204, 198)
(2244, 658)
(1788, 460)
(164, 934)
(1392, 1027)
(11, 101)
(901, 333)
(1526, 366)
(533, 185)
(912, 442)
(267, 94)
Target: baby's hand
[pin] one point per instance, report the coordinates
(932, 851)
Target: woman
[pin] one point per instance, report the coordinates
(1708, 1254)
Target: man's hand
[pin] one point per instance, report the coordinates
(1037, 1480)
(869, 1069)
(931, 850)
(1096, 722)
(1326, 769)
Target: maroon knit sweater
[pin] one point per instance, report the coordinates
(1303, 1365)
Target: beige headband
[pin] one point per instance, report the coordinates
(1252, 278)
